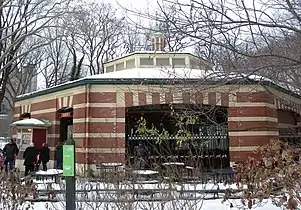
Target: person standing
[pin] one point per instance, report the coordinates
(10, 151)
(44, 156)
(17, 151)
(30, 157)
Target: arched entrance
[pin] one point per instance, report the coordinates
(65, 116)
(207, 143)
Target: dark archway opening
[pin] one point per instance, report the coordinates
(66, 121)
(65, 116)
(208, 144)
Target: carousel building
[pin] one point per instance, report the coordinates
(236, 114)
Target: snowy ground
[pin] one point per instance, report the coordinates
(206, 205)
(178, 201)
(198, 204)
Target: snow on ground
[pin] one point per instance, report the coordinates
(206, 205)
(152, 184)
(186, 201)
(197, 204)
(49, 172)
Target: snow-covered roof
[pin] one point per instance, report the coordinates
(155, 75)
(32, 122)
(151, 73)
(170, 73)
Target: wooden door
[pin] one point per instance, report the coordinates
(39, 137)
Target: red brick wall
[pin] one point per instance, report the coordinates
(48, 104)
(260, 96)
(103, 105)
(251, 126)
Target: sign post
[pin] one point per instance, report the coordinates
(69, 173)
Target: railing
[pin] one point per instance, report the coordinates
(291, 137)
(208, 142)
(206, 162)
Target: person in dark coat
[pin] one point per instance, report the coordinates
(17, 151)
(10, 151)
(30, 157)
(44, 156)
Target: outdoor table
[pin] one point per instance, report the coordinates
(53, 174)
(175, 169)
(223, 173)
(189, 170)
(148, 174)
(111, 167)
(173, 164)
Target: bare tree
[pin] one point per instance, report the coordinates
(56, 60)
(134, 38)
(253, 36)
(147, 23)
(20, 21)
(94, 33)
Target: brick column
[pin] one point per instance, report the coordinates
(99, 128)
(252, 122)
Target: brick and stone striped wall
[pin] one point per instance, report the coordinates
(99, 115)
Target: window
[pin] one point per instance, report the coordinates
(146, 61)
(162, 62)
(119, 66)
(109, 69)
(178, 62)
(130, 64)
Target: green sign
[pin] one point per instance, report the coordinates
(68, 160)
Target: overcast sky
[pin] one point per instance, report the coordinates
(136, 4)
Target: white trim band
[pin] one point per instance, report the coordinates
(84, 105)
(99, 135)
(254, 133)
(96, 120)
(251, 104)
(100, 150)
(243, 149)
(252, 119)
